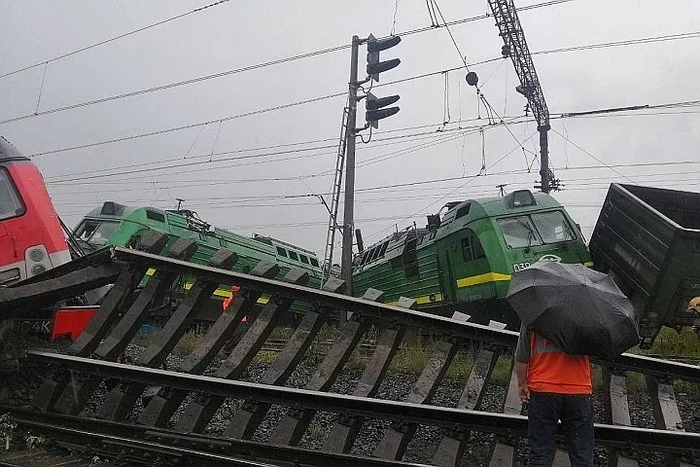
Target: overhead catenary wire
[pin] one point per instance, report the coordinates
(469, 180)
(198, 124)
(247, 68)
(66, 177)
(416, 186)
(384, 194)
(112, 39)
(100, 174)
(594, 157)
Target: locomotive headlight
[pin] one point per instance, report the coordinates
(37, 255)
(37, 260)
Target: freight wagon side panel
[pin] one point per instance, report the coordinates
(649, 238)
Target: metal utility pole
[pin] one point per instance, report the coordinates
(349, 202)
(516, 48)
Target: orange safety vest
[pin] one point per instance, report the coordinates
(227, 301)
(551, 370)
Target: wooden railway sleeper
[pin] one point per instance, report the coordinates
(666, 413)
(76, 394)
(397, 437)
(346, 429)
(617, 412)
(121, 399)
(164, 404)
(294, 423)
(454, 443)
(122, 291)
(199, 412)
(249, 416)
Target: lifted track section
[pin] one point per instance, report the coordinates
(174, 425)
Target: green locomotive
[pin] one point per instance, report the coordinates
(113, 224)
(463, 260)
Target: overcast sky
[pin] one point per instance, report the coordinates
(243, 192)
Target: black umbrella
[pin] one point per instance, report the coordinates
(580, 310)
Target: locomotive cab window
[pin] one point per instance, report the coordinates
(553, 227)
(519, 232)
(466, 249)
(10, 202)
(304, 259)
(463, 211)
(314, 262)
(477, 250)
(96, 232)
(293, 255)
(281, 252)
(471, 249)
(375, 253)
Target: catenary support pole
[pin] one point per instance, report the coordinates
(544, 158)
(349, 203)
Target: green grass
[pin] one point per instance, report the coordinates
(281, 333)
(461, 366)
(416, 350)
(411, 359)
(187, 343)
(502, 371)
(671, 343)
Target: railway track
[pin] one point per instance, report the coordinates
(42, 459)
(173, 426)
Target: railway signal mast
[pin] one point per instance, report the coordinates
(516, 48)
(376, 108)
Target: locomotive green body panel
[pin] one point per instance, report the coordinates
(464, 261)
(117, 225)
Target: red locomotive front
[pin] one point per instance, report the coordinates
(31, 238)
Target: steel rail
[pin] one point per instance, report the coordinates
(438, 324)
(200, 442)
(136, 448)
(509, 425)
(426, 321)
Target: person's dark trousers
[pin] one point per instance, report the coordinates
(576, 415)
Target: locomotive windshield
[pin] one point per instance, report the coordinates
(552, 226)
(536, 229)
(519, 232)
(96, 232)
(10, 203)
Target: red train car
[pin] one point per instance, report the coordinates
(31, 237)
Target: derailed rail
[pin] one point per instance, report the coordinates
(94, 354)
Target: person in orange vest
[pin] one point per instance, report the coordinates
(228, 300)
(558, 387)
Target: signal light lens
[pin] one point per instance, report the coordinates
(374, 45)
(374, 115)
(380, 67)
(36, 255)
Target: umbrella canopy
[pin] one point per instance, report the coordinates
(580, 310)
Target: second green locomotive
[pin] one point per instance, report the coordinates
(113, 224)
(463, 260)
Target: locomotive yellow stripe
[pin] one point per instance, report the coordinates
(589, 264)
(226, 293)
(482, 279)
(424, 299)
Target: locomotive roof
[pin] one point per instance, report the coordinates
(498, 206)
(9, 152)
(113, 210)
(480, 208)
